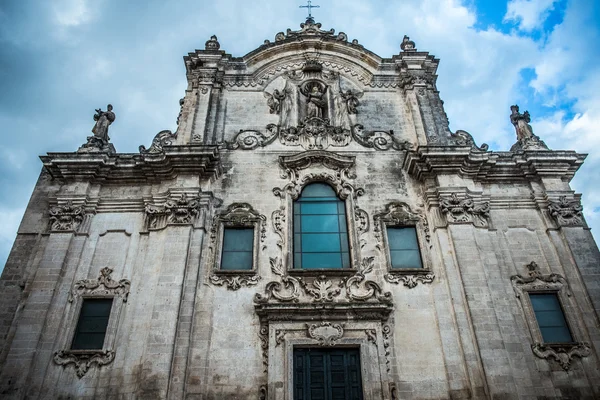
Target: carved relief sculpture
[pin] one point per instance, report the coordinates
(66, 217)
(181, 210)
(567, 212)
(162, 138)
(326, 333)
(315, 104)
(465, 210)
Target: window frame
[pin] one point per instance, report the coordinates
(348, 233)
(237, 216)
(104, 287)
(537, 323)
(400, 215)
(80, 309)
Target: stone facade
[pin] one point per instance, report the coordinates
(146, 230)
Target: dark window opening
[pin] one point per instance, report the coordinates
(550, 318)
(238, 249)
(92, 324)
(404, 247)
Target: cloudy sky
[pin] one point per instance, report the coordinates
(61, 59)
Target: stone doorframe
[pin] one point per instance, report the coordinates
(286, 327)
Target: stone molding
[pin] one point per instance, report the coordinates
(124, 168)
(567, 212)
(459, 210)
(102, 287)
(429, 161)
(536, 281)
(240, 215)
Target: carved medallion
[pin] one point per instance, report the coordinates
(326, 333)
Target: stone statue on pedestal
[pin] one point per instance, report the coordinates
(526, 140)
(100, 140)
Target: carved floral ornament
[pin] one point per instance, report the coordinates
(400, 214)
(567, 212)
(66, 217)
(465, 210)
(102, 287)
(179, 211)
(236, 215)
(536, 281)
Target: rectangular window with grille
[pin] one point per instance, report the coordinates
(404, 247)
(238, 248)
(550, 318)
(92, 324)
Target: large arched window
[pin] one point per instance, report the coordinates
(320, 229)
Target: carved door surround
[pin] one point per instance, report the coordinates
(537, 282)
(400, 214)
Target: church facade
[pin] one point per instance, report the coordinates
(312, 230)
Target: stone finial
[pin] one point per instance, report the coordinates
(407, 44)
(212, 43)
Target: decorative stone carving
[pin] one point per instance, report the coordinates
(83, 361)
(379, 140)
(212, 44)
(399, 214)
(274, 100)
(407, 44)
(66, 217)
(409, 281)
(103, 286)
(316, 104)
(387, 332)
(526, 140)
(285, 291)
(182, 210)
(465, 210)
(234, 282)
(566, 212)
(371, 336)
(162, 138)
(181, 101)
(322, 289)
(326, 333)
(563, 354)
(263, 392)
(315, 133)
(263, 335)
(360, 289)
(538, 281)
(351, 100)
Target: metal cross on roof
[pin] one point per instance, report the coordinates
(309, 6)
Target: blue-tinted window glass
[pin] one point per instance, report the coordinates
(238, 246)
(92, 324)
(404, 247)
(320, 232)
(550, 318)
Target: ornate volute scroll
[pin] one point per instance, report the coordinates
(67, 217)
(567, 212)
(465, 210)
(102, 287)
(400, 214)
(358, 288)
(181, 210)
(237, 215)
(536, 281)
(162, 138)
(288, 290)
(379, 140)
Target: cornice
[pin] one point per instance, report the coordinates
(465, 161)
(127, 167)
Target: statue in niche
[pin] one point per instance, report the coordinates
(103, 120)
(521, 123)
(315, 104)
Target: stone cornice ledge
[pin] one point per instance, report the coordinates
(430, 161)
(315, 311)
(129, 167)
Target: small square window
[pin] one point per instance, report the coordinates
(238, 249)
(550, 318)
(404, 247)
(91, 326)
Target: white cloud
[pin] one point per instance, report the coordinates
(530, 14)
(69, 13)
